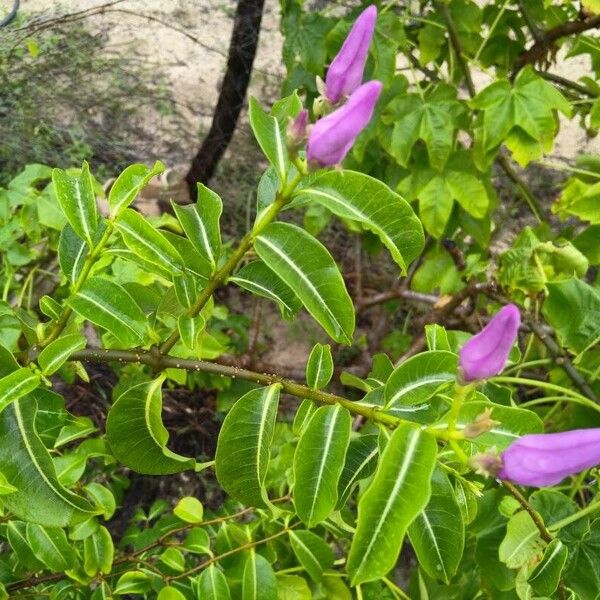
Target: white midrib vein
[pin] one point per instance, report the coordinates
(153, 249)
(261, 432)
(439, 378)
(410, 450)
(306, 549)
(279, 150)
(425, 518)
(103, 308)
(264, 289)
(148, 405)
(558, 548)
(360, 468)
(204, 236)
(81, 211)
(13, 393)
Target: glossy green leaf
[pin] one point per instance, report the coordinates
(110, 306)
(132, 582)
(307, 267)
(174, 559)
(545, 577)
(318, 463)
(50, 546)
(438, 532)
(399, 491)
(211, 585)
(17, 384)
(129, 184)
(319, 367)
(244, 446)
(305, 411)
(417, 379)
(72, 251)
(189, 509)
(197, 541)
(56, 353)
(312, 551)
(258, 582)
(147, 242)
(98, 552)
(136, 434)
(75, 194)
(17, 538)
(270, 138)
(522, 541)
(200, 222)
(356, 196)
(293, 587)
(360, 463)
(257, 278)
(191, 330)
(170, 593)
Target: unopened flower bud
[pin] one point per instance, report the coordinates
(486, 463)
(482, 424)
(297, 130)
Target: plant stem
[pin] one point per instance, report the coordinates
(544, 533)
(542, 384)
(575, 517)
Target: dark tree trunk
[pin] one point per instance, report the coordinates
(242, 49)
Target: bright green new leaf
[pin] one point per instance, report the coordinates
(50, 546)
(98, 552)
(312, 551)
(174, 559)
(318, 463)
(55, 354)
(319, 367)
(189, 509)
(438, 532)
(200, 222)
(270, 138)
(211, 585)
(170, 593)
(191, 330)
(129, 184)
(399, 491)
(545, 577)
(136, 434)
(306, 266)
(258, 582)
(17, 384)
(244, 446)
(197, 541)
(522, 541)
(110, 306)
(257, 278)
(75, 194)
(147, 242)
(356, 196)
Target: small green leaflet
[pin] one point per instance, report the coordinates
(132, 582)
(244, 446)
(136, 434)
(319, 368)
(318, 463)
(258, 582)
(75, 194)
(55, 354)
(361, 198)
(313, 552)
(50, 546)
(200, 222)
(522, 541)
(545, 577)
(17, 538)
(190, 330)
(110, 306)
(129, 184)
(306, 266)
(147, 242)
(399, 491)
(360, 463)
(257, 278)
(17, 384)
(270, 138)
(438, 533)
(72, 251)
(98, 552)
(211, 585)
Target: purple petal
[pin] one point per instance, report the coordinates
(485, 354)
(332, 137)
(346, 70)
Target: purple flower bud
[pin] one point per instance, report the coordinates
(297, 129)
(485, 354)
(547, 458)
(346, 70)
(332, 137)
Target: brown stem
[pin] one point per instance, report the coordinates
(539, 523)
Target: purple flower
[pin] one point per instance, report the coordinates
(332, 137)
(485, 354)
(346, 70)
(547, 458)
(297, 128)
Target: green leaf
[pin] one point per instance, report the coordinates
(583, 572)
(132, 582)
(173, 559)
(170, 593)
(147, 242)
(307, 267)
(244, 446)
(318, 463)
(75, 194)
(98, 552)
(579, 327)
(110, 306)
(257, 278)
(200, 222)
(189, 509)
(258, 582)
(270, 138)
(294, 587)
(5, 486)
(129, 184)
(545, 577)
(136, 434)
(197, 541)
(360, 463)
(17, 538)
(72, 252)
(319, 368)
(191, 330)
(103, 498)
(50, 546)
(399, 491)
(438, 533)
(17, 384)
(211, 585)
(522, 541)
(417, 379)
(361, 198)
(313, 553)
(55, 354)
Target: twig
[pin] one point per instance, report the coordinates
(544, 533)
